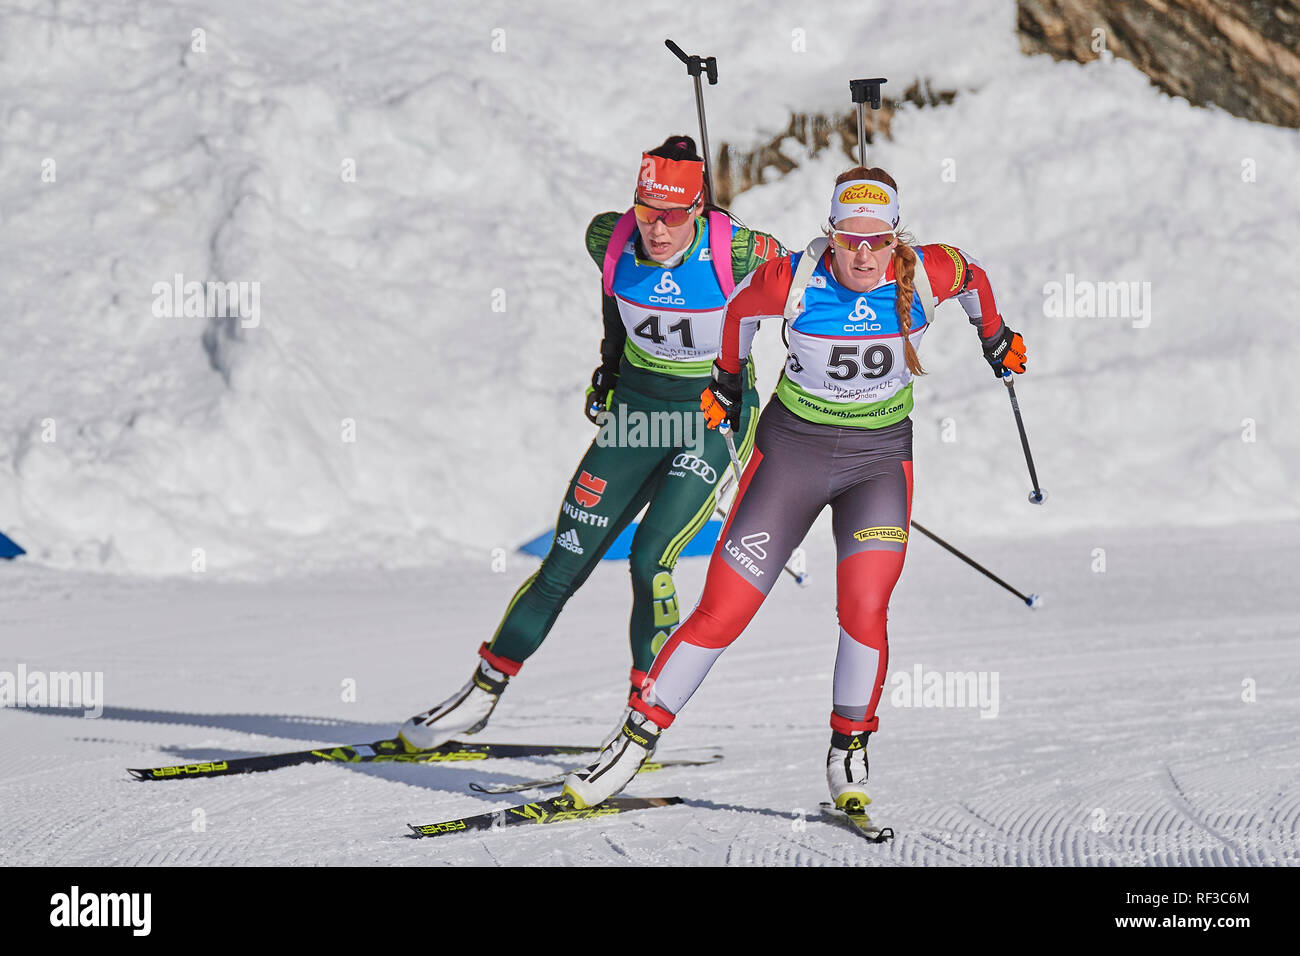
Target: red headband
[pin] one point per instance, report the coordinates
(670, 180)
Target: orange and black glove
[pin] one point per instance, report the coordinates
(1004, 351)
(721, 400)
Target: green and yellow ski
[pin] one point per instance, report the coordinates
(855, 816)
(556, 810)
(381, 751)
(555, 780)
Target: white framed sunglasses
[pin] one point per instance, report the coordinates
(853, 241)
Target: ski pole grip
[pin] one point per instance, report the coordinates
(694, 64)
(867, 91)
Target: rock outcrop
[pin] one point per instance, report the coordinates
(1240, 55)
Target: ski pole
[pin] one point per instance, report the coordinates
(695, 65)
(1038, 495)
(725, 428)
(864, 92)
(1031, 600)
(800, 577)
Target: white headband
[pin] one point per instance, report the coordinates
(864, 197)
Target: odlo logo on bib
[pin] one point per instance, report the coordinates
(862, 318)
(669, 291)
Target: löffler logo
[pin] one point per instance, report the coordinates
(753, 543)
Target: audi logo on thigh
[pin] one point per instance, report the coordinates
(697, 465)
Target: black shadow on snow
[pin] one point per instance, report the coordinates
(287, 726)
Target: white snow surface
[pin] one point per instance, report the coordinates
(128, 441)
(1123, 734)
(1146, 713)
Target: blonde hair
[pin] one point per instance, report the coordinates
(904, 262)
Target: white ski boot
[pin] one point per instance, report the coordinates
(617, 732)
(637, 678)
(846, 770)
(617, 764)
(464, 712)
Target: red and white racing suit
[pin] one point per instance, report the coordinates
(838, 434)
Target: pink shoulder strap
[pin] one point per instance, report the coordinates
(622, 233)
(720, 250)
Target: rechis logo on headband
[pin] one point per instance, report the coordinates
(864, 192)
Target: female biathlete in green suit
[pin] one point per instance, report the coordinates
(668, 265)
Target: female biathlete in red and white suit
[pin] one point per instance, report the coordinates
(839, 434)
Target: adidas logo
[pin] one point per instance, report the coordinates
(569, 541)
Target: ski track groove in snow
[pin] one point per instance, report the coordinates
(1184, 805)
(1288, 820)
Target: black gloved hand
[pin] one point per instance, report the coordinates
(602, 385)
(1006, 351)
(721, 400)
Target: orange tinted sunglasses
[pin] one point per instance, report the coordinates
(853, 241)
(671, 217)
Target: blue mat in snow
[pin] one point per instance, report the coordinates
(702, 543)
(8, 547)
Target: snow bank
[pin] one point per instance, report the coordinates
(405, 189)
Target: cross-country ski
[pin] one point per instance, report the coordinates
(381, 751)
(859, 820)
(557, 780)
(555, 810)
